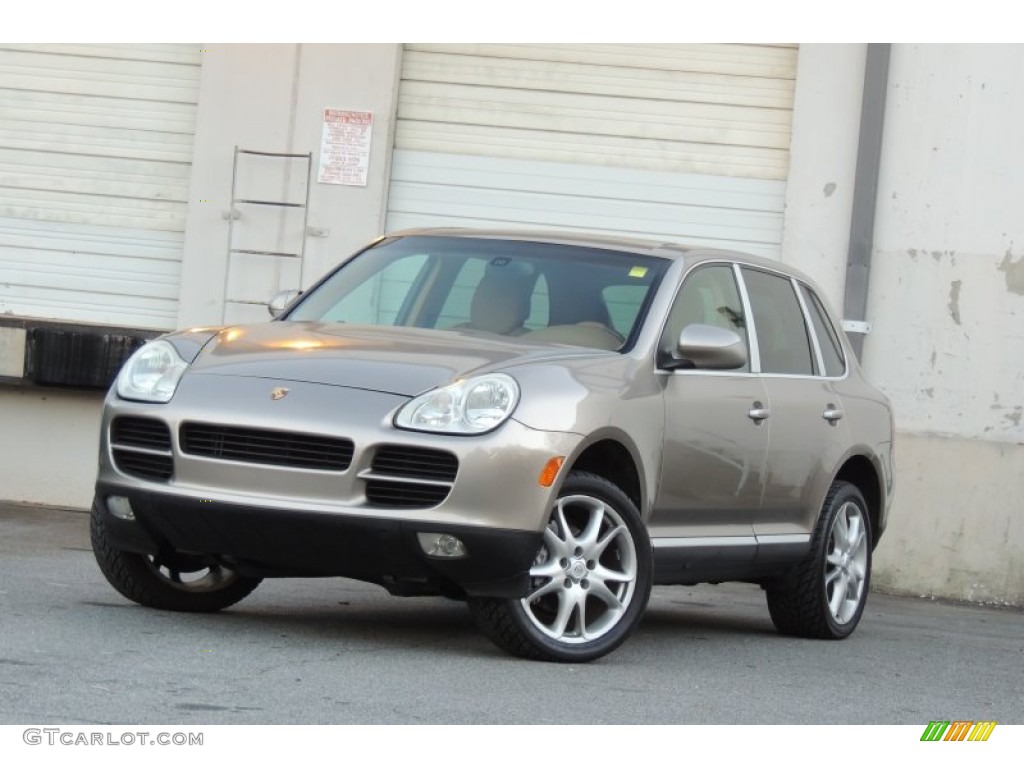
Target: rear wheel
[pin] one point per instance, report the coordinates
(589, 583)
(168, 580)
(824, 596)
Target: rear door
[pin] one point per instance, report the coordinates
(808, 434)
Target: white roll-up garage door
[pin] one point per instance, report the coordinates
(680, 142)
(95, 155)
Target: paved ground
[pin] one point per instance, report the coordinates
(335, 651)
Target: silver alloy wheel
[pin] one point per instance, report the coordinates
(196, 577)
(584, 577)
(846, 563)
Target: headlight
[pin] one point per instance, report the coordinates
(151, 374)
(464, 408)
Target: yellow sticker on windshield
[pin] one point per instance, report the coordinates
(638, 271)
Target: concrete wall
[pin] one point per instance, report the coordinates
(946, 295)
(50, 445)
(957, 527)
(947, 304)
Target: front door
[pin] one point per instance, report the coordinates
(716, 440)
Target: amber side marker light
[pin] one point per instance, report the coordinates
(550, 471)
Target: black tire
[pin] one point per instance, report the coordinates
(824, 596)
(578, 609)
(169, 581)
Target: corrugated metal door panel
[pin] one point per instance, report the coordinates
(95, 153)
(612, 151)
(61, 139)
(689, 189)
(545, 210)
(680, 142)
(23, 233)
(178, 53)
(94, 209)
(724, 109)
(586, 114)
(101, 274)
(127, 311)
(107, 176)
(101, 111)
(759, 90)
(452, 190)
(89, 274)
(755, 60)
(99, 75)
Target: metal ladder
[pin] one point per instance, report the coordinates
(234, 214)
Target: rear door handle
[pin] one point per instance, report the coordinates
(758, 412)
(832, 414)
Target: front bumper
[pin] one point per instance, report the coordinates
(258, 541)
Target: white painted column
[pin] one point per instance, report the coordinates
(272, 97)
(823, 159)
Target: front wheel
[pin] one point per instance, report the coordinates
(824, 596)
(589, 583)
(169, 580)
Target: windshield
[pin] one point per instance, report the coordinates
(562, 294)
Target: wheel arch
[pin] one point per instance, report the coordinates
(861, 472)
(615, 461)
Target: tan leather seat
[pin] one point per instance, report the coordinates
(501, 302)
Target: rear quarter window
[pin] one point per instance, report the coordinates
(828, 339)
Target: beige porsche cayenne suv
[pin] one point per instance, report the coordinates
(542, 425)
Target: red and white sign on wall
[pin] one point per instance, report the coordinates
(345, 147)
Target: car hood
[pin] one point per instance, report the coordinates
(402, 361)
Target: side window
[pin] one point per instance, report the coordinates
(828, 340)
(378, 300)
(779, 324)
(708, 296)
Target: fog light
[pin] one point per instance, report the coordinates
(442, 545)
(120, 506)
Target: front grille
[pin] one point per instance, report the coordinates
(265, 446)
(393, 476)
(141, 447)
(419, 463)
(141, 433)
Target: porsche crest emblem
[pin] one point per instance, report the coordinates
(278, 392)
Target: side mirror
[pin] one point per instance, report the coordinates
(711, 348)
(281, 300)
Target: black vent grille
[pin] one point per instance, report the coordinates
(396, 470)
(265, 446)
(390, 493)
(148, 466)
(142, 447)
(418, 463)
(141, 433)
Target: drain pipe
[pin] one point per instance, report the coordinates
(865, 194)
